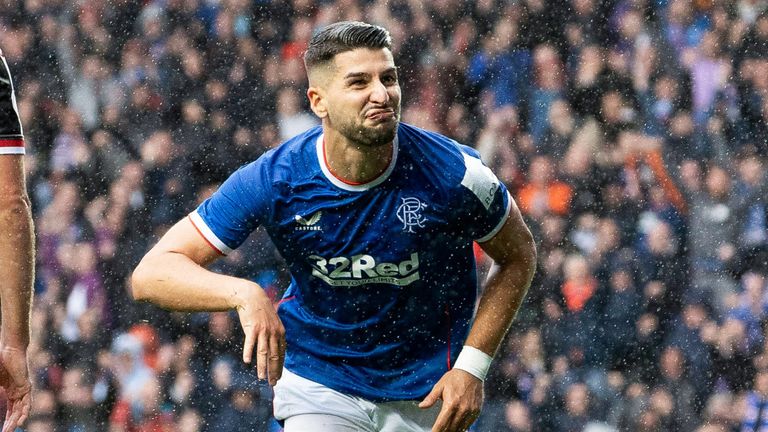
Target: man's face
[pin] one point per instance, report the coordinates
(362, 96)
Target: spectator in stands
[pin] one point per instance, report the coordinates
(633, 138)
(543, 193)
(757, 402)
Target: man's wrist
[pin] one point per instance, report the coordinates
(474, 362)
(242, 294)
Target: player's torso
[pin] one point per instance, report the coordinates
(375, 253)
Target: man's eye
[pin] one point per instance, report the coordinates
(389, 79)
(356, 83)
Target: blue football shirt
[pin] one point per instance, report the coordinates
(383, 275)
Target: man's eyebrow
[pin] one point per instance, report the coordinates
(356, 75)
(367, 75)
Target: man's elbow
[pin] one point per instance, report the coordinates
(140, 285)
(525, 255)
(15, 211)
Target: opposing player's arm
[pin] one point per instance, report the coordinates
(172, 275)
(16, 253)
(17, 259)
(17, 271)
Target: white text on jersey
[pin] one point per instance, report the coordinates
(308, 224)
(363, 269)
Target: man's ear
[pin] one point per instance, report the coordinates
(317, 101)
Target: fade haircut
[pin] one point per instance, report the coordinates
(341, 37)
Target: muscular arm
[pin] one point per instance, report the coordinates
(17, 259)
(173, 275)
(16, 253)
(514, 255)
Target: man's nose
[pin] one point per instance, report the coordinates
(379, 93)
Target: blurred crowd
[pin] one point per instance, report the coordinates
(632, 134)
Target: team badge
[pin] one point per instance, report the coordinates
(409, 213)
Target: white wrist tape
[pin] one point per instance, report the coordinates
(473, 361)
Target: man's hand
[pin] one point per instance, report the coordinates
(263, 331)
(462, 396)
(14, 378)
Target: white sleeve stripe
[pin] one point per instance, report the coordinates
(12, 151)
(208, 234)
(496, 230)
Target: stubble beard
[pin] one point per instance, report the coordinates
(365, 136)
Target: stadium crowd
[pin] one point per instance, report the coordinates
(633, 134)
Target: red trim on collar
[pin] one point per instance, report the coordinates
(350, 182)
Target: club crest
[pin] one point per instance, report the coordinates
(409, 213)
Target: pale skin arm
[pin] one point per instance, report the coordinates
(514, 255)
(172, 275)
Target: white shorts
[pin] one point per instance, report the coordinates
(307, 406)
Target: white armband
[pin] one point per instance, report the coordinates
(473, 361)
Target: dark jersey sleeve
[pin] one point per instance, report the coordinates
(11, 135)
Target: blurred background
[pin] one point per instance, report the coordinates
(632, 134)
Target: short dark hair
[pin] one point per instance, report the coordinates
(344, 36)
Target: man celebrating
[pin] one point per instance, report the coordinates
(16, 259)
(376, 221)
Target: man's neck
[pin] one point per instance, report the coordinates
(353, 163)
